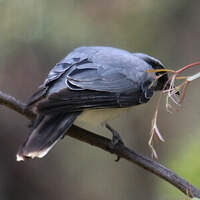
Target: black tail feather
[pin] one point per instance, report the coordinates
(47, 131)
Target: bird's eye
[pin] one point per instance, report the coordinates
(157, 73)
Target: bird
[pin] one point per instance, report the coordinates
(89, 87)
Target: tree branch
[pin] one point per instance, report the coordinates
(15, 105)
(120, 150)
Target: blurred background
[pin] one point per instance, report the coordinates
(36, 34)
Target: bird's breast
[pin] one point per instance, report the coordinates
(94, 119)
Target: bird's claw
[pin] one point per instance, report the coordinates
(116, 139)
(117, 159)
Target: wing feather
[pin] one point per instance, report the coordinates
(72, 101)
(91, 76)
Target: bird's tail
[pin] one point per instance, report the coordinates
(47, 130)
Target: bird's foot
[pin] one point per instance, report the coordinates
(116, 139)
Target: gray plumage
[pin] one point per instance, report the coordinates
(88, 78)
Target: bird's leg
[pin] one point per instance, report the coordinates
(116, 139)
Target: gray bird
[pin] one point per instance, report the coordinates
(89, 87)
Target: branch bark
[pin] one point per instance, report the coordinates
(120, 150)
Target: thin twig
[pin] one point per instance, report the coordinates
(120, 150)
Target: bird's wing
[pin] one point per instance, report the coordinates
(73, 101)
(56, 72)
(88, 86)
(92, 76)
(74, 58)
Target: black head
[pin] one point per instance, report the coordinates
(156, 64)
